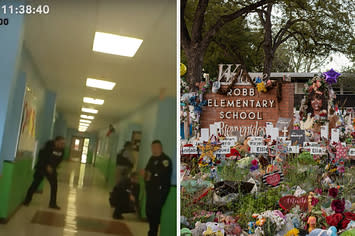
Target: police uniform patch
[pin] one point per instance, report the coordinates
(166, 163)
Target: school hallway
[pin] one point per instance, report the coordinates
(96, 74)
(85, 210)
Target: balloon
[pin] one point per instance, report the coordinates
(183, 69)
(331, 76)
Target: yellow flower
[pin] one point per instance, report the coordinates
(293, 232)
(261, 87)
(183, 69)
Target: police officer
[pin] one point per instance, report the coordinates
(48, 160)
(157, 180)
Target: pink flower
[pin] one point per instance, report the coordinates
(341, 169)
(318, 190)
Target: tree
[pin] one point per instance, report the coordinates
(316, 27)
(283, 35)
(196, 40)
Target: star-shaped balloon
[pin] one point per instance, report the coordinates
(331, 76)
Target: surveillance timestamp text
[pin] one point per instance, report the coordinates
(25, 9)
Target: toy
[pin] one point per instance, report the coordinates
(251, 227)
(332, 231)
(312, 223)
(214, 229)
(185, 232)
(199, 229)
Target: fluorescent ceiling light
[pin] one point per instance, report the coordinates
(84, 125)
(85, 121)
(116, 44)
(81, 130)
(87, 117)
(89, 110)
(93, 101)
(101, 84)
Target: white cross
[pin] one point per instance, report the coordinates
(285, 131)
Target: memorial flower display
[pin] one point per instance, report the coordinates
(268, 179)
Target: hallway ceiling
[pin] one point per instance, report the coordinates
(61, 46)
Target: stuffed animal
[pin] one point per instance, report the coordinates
(214, 229)
(185, 232)
(199, 229)
(312, 223)
(332, 231)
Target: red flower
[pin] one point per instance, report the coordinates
(344, 223)
(333, 192)
(349, 215)
(254, 162)
(333, 220)
(314, 201)
(338, 205)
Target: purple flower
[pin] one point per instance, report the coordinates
(331, 76)
(252, 168)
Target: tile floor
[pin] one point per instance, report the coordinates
(83, 197)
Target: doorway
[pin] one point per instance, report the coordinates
(76, 149)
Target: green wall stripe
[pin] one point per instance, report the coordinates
(16, 178)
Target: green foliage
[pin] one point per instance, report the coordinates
(309, 30)
(305, 158)
(249, 204)
(232, 172)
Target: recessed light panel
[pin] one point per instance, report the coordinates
(87, 117)
(93, 101)
(101, 84)
(85, 121)
(116, 44)
(89, 110)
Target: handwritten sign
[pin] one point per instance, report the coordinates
(317, 150)
(229, 141)
(289, 202)
(223, 150)
(189, 150)
(258, 149)
(256, 141)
